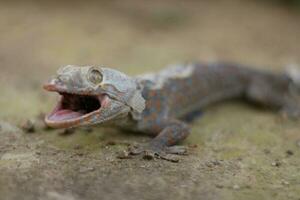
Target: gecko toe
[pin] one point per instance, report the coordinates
(150, 152)
(135, 149)
(179, 150)
(169, 157)
(150, 155)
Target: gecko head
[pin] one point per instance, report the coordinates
(92, 95)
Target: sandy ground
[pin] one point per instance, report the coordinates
(241, 152)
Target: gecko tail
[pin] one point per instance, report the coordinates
(293, 71)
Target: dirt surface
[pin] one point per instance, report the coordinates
(237, 151)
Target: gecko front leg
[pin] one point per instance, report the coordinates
(168, 133)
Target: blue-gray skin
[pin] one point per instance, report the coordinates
(158, 104)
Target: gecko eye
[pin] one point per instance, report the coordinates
(95, 76)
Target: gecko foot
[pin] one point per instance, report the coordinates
(150, 152)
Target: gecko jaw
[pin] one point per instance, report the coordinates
(73, 109)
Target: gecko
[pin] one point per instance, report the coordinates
(159, 104)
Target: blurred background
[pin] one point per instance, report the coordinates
(249, 154)
(37, 37)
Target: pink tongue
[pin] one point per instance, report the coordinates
(65, 115)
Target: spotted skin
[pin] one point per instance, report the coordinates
(179, 97)
(169, 97)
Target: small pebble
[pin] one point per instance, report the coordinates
(28, 126)
(213, 163)
(124, 155)
(276, 163)
(209, 164)
(236, 187)
(289, 152)
(284, 182)
(216, 162)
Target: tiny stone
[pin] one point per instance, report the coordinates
(289, 152)
(284, 182)
(209, 164)
(28, 126)
(213, 163)
(236, 187)
(216, 162)
(123, 155)
(276, 164)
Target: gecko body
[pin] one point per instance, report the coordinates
(158, 104)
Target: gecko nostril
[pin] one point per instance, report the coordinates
(62, 79)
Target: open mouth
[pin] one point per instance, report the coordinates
(74, 107)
